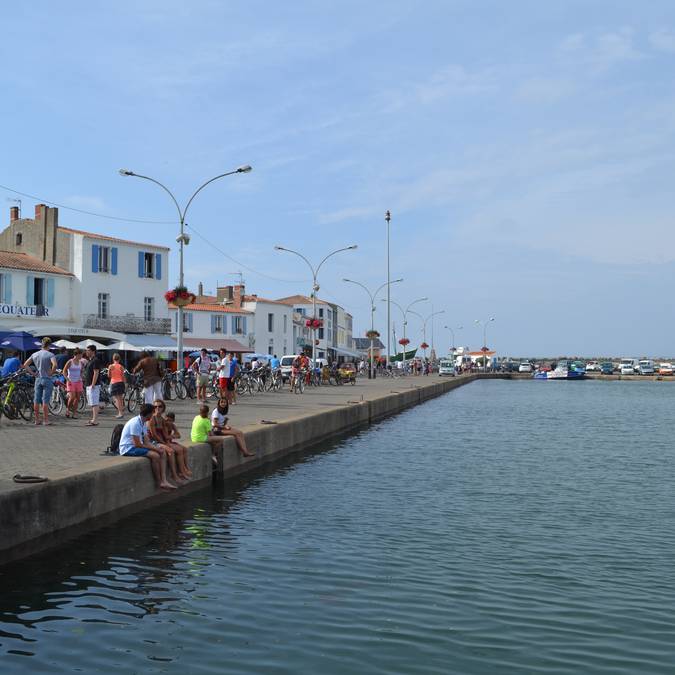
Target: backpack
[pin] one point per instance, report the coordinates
(114, 447)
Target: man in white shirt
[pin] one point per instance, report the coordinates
(134, 442)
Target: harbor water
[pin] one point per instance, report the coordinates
(505, 527)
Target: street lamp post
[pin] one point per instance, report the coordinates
(183, 239)
(372, 314)
(424, 328)
(405, 313)
(484, 324)
(453, 336)
(387, 217)
(315, 288)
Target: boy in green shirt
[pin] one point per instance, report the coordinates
(201, 431)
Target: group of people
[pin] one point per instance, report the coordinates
(153, 434)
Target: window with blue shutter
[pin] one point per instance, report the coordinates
(6, 289)
(213, 324)
(141, 264)
(30, 290)
(113, 260)
(224, 324)
(243, 325)
(94, 258)
(158, 266)
(50, 292)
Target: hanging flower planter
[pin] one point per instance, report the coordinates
(314, 323)
(404, 341)
(180, 296)
(372, 335)
(316, 342)
(424, 345)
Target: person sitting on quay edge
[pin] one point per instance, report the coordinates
(45, 364)
(220, 427)
(11, 365)
(134, 442)
(175, 452)
(201, 431)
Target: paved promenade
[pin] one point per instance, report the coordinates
(69, 445)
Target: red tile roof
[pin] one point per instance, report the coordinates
(257, 298)
(211, 307)
(21, 261)
(300, 300)
(94, 235)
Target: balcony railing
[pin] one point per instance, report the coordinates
(127, 324)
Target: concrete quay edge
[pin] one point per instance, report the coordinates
(36, 517)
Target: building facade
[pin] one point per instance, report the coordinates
(115, 287)
(272, 325)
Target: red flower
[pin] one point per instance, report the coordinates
(424, 345)
(404, 341)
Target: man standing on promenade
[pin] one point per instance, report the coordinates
(152, 378)
(135, 442)
(45, 364)
(224, 372)
(275, 364)
(202, 366)
(92, 383)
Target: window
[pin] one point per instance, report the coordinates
(40, 291)
(238, 325)
(320, 333)
(149, 265)
(149, 309)
(6, 288)
(270, 323)
(285, 323)
(187, 322)
(321, 312)
(103, 305)
(104, 259)
(217, 323)
(19, 238)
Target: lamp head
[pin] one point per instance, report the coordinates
(126, 172)
(492, 318)
(279, 248)
(245, 169)
(387, 215)
(352, 247)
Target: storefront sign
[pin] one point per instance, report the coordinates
(23, 310)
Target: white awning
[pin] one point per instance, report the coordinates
(151, 343)
(341, 351)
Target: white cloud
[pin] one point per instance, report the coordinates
(599, 53)
(663, 40)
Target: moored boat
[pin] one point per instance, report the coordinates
(564, 370)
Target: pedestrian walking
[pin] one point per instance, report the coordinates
(45, 364)
(117, 386)
(72, 371)
(152, 377)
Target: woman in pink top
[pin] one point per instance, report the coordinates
(116, 375)
(72, 371)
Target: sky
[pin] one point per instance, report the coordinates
(526, 151)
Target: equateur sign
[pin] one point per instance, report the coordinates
(23, 310)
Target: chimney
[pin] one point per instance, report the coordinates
(224, 294)
(38, 210)
(237, 296)
(13, 213)
(200, 289)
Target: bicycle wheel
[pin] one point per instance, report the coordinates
(134, 398)
(181, 391)
(82, 403)
(56, 402)
(24, 404)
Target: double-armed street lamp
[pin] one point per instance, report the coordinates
(484, 323)
(183, 239)
(372, 313)
(405, 313)
(453, 336)
(315, 287)
(387, 217)
(424, 329)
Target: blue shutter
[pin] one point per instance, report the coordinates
(141, 264)
(30, 290)
(7, 285)
(243, 325)
(224, 324)
(158, 266)
(213, 324)
(190, 321)
(94, 258)
(113, 259)
(50, 292)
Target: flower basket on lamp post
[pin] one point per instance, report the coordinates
(180, 296)
(372, 335)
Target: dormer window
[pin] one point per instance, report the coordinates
(19, 238)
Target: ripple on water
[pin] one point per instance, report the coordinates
(507, 527)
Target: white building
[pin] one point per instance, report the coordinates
(115, 287)
(217, 321)
(272, 325)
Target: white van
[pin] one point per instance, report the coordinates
(446, 367)
(286, 364)
(628, 367)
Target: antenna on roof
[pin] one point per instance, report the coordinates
(239, 274)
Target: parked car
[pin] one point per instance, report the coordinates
(607, 368)
(628, 367)
(593, 367)
(646, 367)
(665, 368)
(525, 367)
